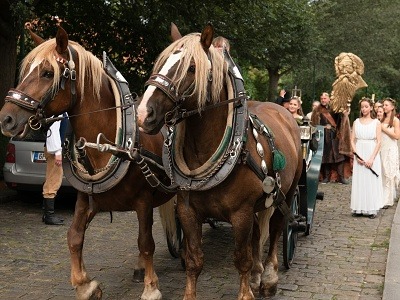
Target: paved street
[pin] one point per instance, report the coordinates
(343, 257)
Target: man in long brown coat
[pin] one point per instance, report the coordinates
(337, 148)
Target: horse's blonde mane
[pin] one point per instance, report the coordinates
(89, 66)
(193, 51)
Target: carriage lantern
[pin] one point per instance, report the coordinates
(306, 129)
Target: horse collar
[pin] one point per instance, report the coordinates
(111, 175)
(227, 155)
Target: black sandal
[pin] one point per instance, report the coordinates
(356, 215)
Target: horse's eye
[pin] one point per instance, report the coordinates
(48, 74)
(192, 69)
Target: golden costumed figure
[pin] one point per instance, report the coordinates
(333, 114)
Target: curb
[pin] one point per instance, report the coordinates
(391, 288)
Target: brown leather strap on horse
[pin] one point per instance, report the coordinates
(149, 175)
(166, 85)
(280, 203)
(21, 99)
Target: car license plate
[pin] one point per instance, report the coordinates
(38, 157)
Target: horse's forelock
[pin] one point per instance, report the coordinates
(88, 64)
(193, 51)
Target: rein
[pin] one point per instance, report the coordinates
(178, 114)
(55, 119)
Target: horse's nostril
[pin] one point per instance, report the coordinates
(150, 114)
(7, 119)
(7, 122)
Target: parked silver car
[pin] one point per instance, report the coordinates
(25, 165)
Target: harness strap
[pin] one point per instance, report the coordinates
(279, 160)
(177, 114)
(250, 161)
(280, 203)
(82, 157)
(279, 197)
(149, 175)
(21, 99)
(164, 84)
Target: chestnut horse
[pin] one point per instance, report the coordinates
(59, 76)
(189, 91)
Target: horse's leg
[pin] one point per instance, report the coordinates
(263, 219)
(146, 246)
(138, 272)
(194, 257)
(269, 279)
(84, 287)
(243, 229)
(258, 268)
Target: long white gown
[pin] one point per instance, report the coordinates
(390, 167)
(367, 188)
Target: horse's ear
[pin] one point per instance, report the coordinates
(207, 36)
(61, 40)
(175, 34)
(36, 39)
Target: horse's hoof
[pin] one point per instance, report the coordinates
(138, 275)
(153, 295)
(268, 291)
(89, 291)
(255, 284)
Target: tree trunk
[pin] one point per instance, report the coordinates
(8, 50)
(273, 92)
(8, 54)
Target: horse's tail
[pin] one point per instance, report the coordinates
(263, 220)
(168, 219)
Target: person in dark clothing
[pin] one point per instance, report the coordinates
(337, 147)
(283, 99)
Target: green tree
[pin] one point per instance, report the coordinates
(366, 28)
(12, 14)
(273, 35)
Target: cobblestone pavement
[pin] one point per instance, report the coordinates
(343, 257)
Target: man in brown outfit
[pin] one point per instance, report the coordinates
(337, 149)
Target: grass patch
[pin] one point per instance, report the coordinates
(388, 231)
(384, 244)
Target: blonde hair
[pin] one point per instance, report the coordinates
(192, 51)
(90, 67)
(300, 109)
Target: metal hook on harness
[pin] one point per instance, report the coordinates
(34, 123)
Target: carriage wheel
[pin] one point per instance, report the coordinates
(175, 246)
(290, 235)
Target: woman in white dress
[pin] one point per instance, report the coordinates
(366, 189)
(390, 152)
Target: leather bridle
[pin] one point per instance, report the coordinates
(167, 86)
(25, 101)
(178, 114)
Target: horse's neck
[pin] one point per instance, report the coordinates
(203, 135)
(92, 118)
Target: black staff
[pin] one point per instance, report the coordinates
(358, 156)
